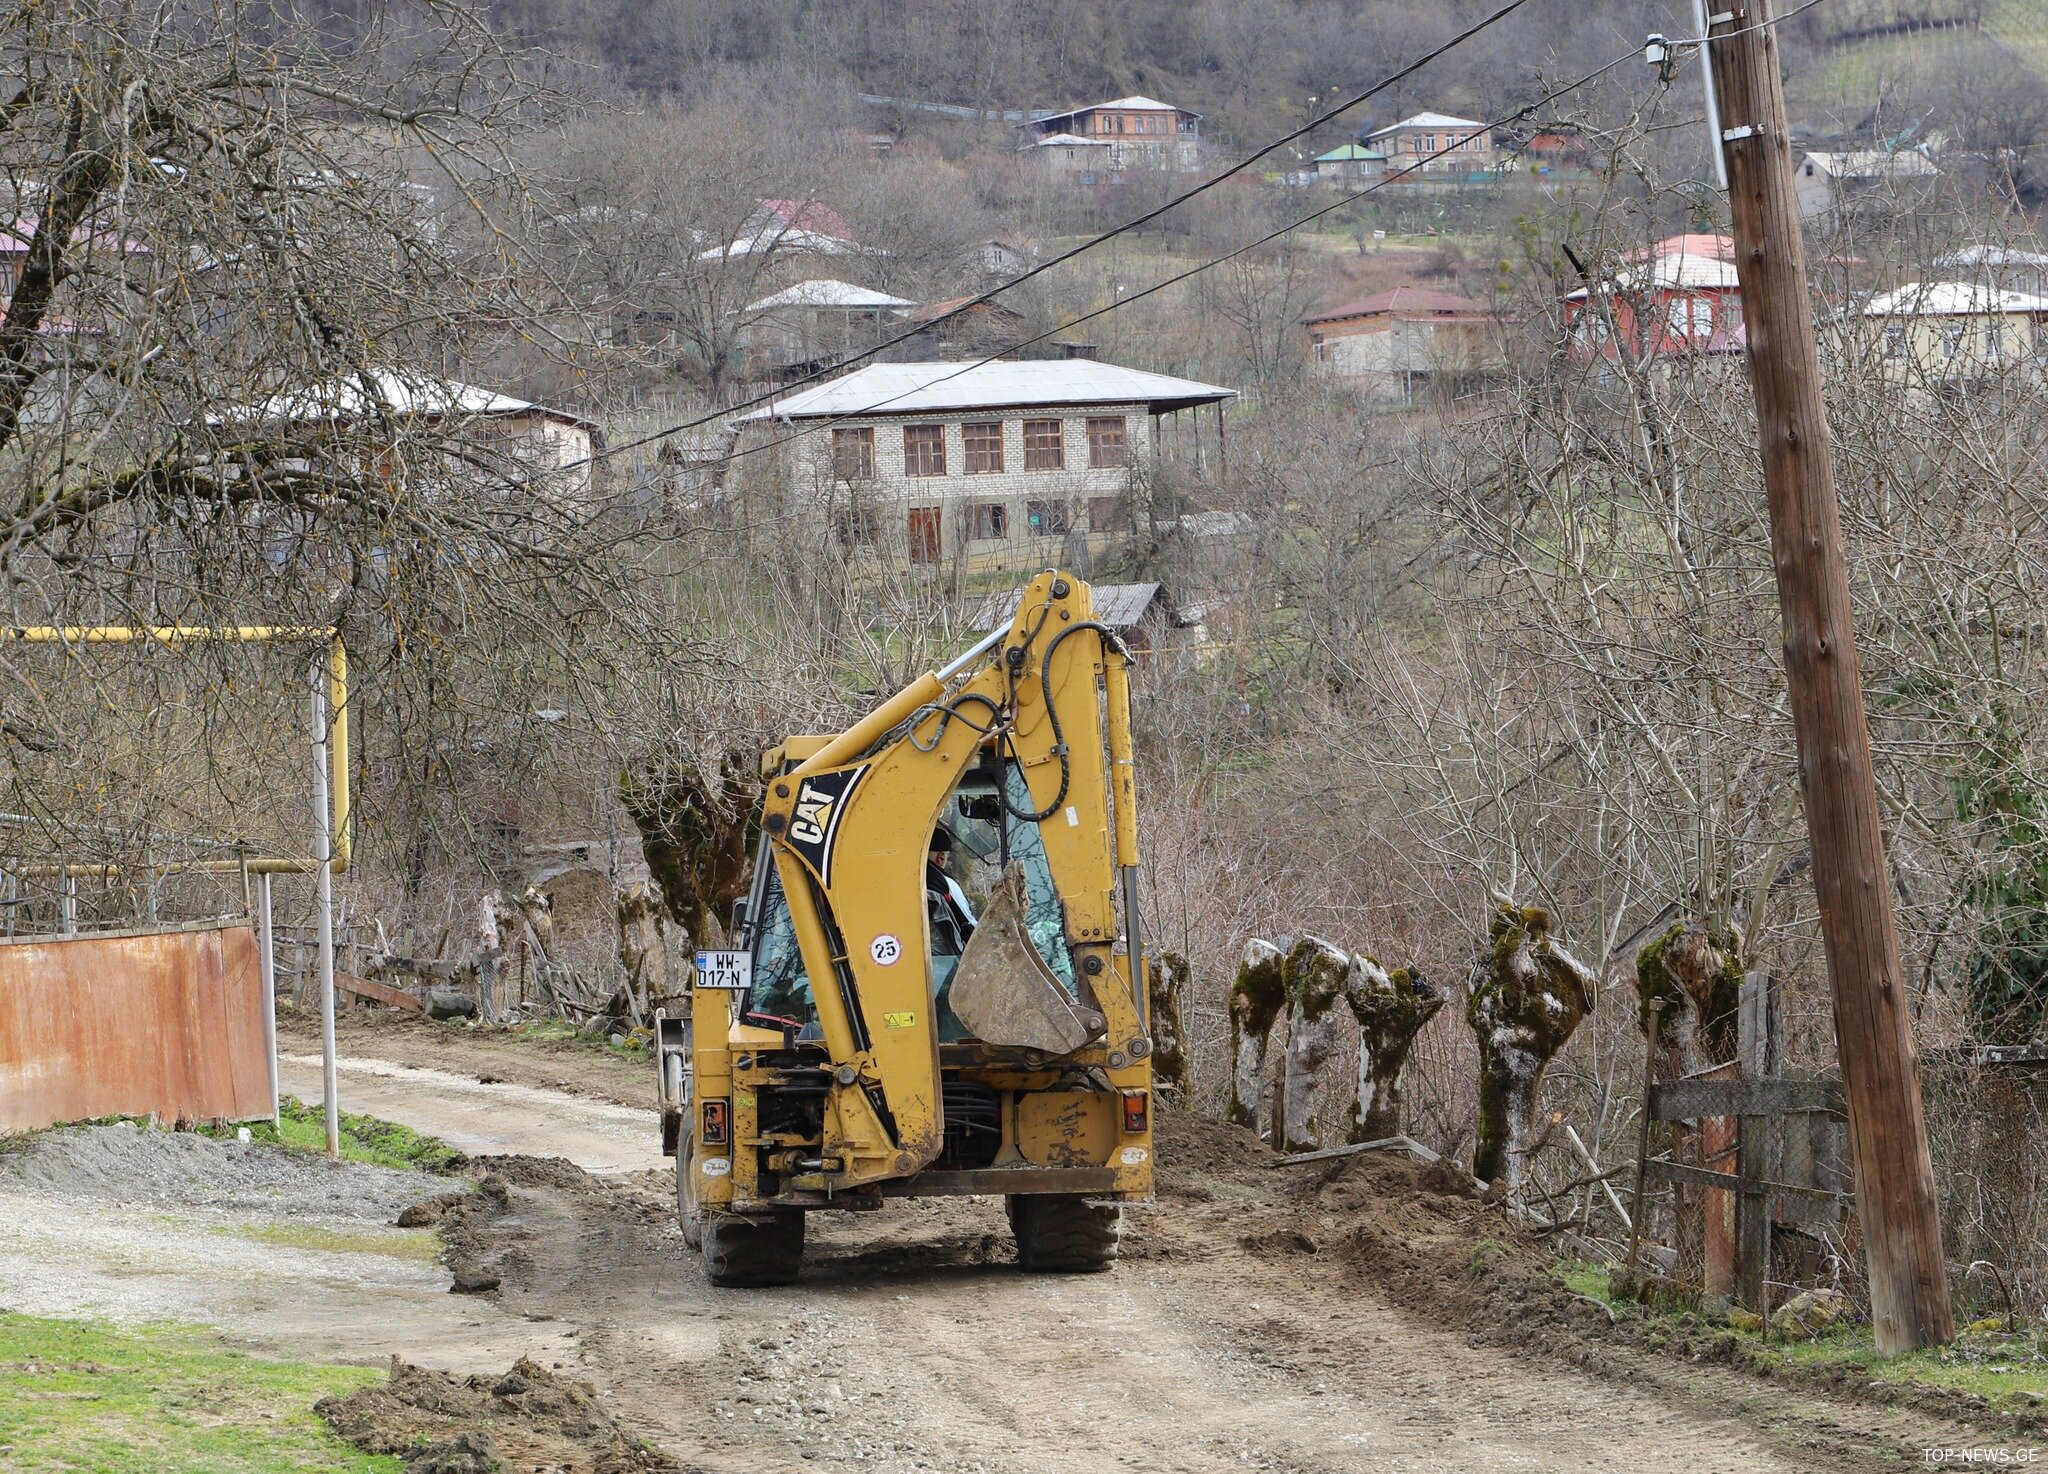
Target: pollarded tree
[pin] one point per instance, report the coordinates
(1528, 995)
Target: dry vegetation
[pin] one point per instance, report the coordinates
(1518, 648)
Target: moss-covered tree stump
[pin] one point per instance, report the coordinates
(1257, 999)
(1166, 985)
(1528, 995)
(1695, 974)
(1391, 1008)
(1316, 974)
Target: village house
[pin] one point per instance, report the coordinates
(959, 327)
(804, 327)
(789, 228)
(1402, 344)
(1678, 299)
(1831, 184)
(1958, 337)
(1349, 164)
(1068, 159)
(1434, 143)
(1000, 261)
(981, 466)
(1556, 148)
(511, 437)
(2013, 268)
(1139, 133)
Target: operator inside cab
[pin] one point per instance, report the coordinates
(952, 923)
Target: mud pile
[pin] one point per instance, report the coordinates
(1417, 1234)
(529, 1421)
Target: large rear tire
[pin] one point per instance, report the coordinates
(741, 1253)
(688, 1215)
(1061, 1234)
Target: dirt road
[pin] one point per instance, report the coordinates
(489, 1117)
(912, 1344)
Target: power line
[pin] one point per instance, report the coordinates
(1124, 301)
(1067, 255)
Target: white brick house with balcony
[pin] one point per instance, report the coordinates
(989, 465)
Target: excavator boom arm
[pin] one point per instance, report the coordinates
(850, 826)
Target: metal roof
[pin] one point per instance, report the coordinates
(1682, 271)
(930, 388)
(1065, 140)
(1349, 153)
(1992, 256)
(1118, 605)
(1873, 163)
(1953, 299)
(826, 292)
(1131, 104)
(1405, 302)
(1427, 120)
(390, 392)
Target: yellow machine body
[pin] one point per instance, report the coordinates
(852, 1102)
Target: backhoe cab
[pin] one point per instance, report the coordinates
(885, 1026)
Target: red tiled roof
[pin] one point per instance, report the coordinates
(1712, 247)
(1405, 302)
(809, 215)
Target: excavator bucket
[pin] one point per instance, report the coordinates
(1003, 991)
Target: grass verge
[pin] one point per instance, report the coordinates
(303, 1127)
(89, 1398)
(415, 1245)
(560, 1032)
(2007, 1370)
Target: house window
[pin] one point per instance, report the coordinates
(988, 521)
(1994, 340)
(983, 445)
(1692, 317)
(924, 450)
(1044, 446)
(853, 454)
(1429, 143)
(924, 534)
(1895, 340)
(857, 526)
(1951, 340)
(1046, 519)
(1105, 441)
(1102, 513)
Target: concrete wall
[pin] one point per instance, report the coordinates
(1930, 349)
(890, 495)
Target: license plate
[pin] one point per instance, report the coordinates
(731, 971)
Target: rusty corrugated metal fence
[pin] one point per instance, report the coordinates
(170, 1023)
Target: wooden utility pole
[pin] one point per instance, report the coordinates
(1873, 1027)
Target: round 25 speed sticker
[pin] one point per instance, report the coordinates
(885, 949)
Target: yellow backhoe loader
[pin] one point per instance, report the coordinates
(930, 989)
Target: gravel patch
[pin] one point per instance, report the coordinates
(137, 1166)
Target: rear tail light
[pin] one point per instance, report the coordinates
(717, 1122)
(1137, 1112)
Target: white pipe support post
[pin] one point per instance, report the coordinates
(323, 909)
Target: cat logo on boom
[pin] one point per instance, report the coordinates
(815, 823)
